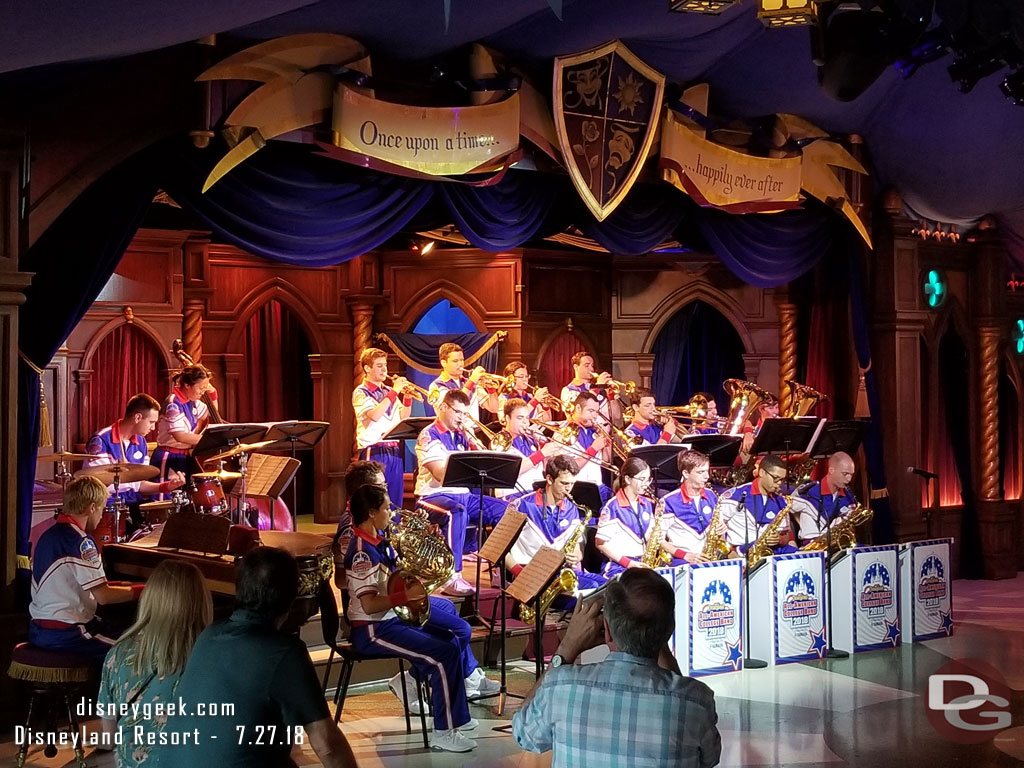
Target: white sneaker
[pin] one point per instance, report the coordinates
(477, 682)
(410, 690)
(451, 741)
(472, 725)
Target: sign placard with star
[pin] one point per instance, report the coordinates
(714, 618)
(875, 582)
(799, 607)
(927, 591)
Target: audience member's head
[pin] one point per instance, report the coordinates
(266, 583)
(639, 611)
(174, 608)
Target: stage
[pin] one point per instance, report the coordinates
(868, 710)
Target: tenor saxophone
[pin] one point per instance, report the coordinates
(654, 556)
(715, 545)
(759, 550)
(844, 532)
(567, 580)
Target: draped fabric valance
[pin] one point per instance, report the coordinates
(419, 351)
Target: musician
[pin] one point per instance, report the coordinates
(645, 424)
(585, 380)
(521, 390)
(124, 442)
(68, 581)
(378, 409)
(358, 474)
(753, 506)
(709, 424)
(590, 445)
(452, 361)
(552, 518)
(689, 508)
(453, 509)
(827, 501)
(517, 425)
(182, 420)
(627, 521)
(438, 650)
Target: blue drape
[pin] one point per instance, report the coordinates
(648, 217)
(420, 350)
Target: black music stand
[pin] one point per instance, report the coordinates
(481, 470)
(293, 435)
(787, 436)
(585, 494)
(498, 545)
(721, 450)
(410, 428)
(663, 461)
(218, 437)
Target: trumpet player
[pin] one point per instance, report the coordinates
(708, 424)
(453, 509)
(589, 444)
(539, 400)
(439, 650)
(584, 379)
(552, 519)
(627, 522)
(646, 424)
(826, 501)
(522, 443)
(378, 408)
(452, 360)
(690, 508)
(752, 508)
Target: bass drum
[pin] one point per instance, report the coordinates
(259, 514)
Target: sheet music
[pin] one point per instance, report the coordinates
(267, 475)
(502, 537)
(538, 573)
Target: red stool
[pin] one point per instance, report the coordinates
(53, 675)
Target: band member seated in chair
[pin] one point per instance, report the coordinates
(827, 501)
(517, 425)
(452, 361)
(124, 441)
(708, 425)
(644, 424)
(358, 474)
(453, 509)
(589, 445)
(689, 508)
(627, 522)
(752, 507)
(584, 379)
(521, 390)
(378, 409)
(766, 409)
(182, 420)
(438, 650)
(552, 520)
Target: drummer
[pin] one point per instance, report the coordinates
(124, 442)
(182, 420)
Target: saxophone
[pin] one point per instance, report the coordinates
(715, 546)
(759, 550)
(423, 557)
(844, 532)
(654, 556)
(566, 581)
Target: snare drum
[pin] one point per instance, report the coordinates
(155, 512)
(207, 494)
(104, 531)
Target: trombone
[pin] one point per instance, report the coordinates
(415, 392)
(565, 435)
(621, 441)
(498, 441)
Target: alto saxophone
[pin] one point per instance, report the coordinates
(567, 580)
(715, 545)
(759, 550)
(423, 557)
(654, 556)
(844, 532)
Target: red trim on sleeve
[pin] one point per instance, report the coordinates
(681, 554)
(625, 561)
(517, 569)
(392, 396)
(591, 451)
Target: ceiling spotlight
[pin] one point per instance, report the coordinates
(711, 7)
(427, 247)
(787, 13)
(1013, 87)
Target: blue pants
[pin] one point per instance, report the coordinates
(439, 650)
(92, 639)
(394, 469)
(457, 513)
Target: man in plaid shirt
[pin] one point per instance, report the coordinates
(635, 708)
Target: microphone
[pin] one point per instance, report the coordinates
(922, 473)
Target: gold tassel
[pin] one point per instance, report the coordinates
(45, 437)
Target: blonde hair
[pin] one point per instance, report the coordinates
(174, 608)
(82, 492)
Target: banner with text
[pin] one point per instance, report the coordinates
(875, 582)
(714, 618)
(717, 176)
(799, 608)
(441, 141)
(927, 591)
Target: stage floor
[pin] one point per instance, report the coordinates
(868, 710)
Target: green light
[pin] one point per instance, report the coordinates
(934, 288)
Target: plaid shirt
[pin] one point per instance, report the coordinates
(622, 711)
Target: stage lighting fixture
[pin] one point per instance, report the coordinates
(1013, 87)
(710, 7)
(427, 247)
(787, 13)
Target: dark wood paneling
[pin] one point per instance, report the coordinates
(567, 290)
(232, 281)
(143, 277)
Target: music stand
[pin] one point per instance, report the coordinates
(217, 437)
(482, 470)
(787, 436)
(410, 428)
(663, 461)
(293, 435)
(498, 544)
(721, 450)
(584, 494)
(529, 586)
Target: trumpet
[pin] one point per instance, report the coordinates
(620, 388)
(502, 383)
(415, 392)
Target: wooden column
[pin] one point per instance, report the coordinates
(787, 350)
(333, 453)
(362, 330)
(192, 328)
(988, 415)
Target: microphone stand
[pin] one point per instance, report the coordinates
(832, 652)
(749, 662)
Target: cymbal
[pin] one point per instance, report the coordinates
(221, 475)
(242, 448)
(126, 473)
(65, 456)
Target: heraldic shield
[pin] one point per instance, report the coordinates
(607, 104)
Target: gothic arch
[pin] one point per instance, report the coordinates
(729, 308)
(168, 360)
(284, 293)
(438, 291)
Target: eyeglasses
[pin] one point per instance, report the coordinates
(776, 478)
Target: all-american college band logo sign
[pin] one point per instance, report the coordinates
(931, 582)
(717, 614)
(876, 593)
(801, 602)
